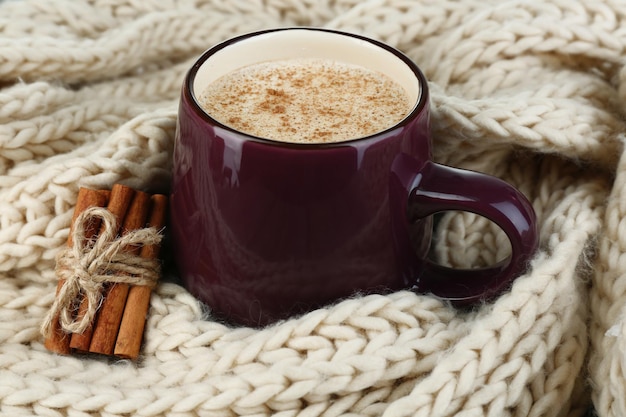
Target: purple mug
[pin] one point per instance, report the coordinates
(264, 229)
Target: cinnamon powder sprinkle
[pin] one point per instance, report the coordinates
(306, 100)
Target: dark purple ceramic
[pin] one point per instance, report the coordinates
(263, 230)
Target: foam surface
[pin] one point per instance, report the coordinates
(306, 100)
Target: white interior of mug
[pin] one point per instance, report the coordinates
(306, 43)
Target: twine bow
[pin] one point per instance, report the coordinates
(90, 263)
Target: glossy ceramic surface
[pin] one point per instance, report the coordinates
(263, 230)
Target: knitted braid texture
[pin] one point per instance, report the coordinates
(531, 91)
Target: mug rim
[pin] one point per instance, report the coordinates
(188, 90)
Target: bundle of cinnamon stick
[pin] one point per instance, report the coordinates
(118, 325)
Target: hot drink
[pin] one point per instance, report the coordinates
(306, 100)
(266, 229)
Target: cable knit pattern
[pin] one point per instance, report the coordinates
(531, 91)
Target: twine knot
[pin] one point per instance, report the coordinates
(90, 263)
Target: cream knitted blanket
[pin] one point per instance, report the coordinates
(531, 91)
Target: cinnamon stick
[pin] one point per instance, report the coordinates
(131, 329)
(120, 199)
(112, 308)
(59, 341)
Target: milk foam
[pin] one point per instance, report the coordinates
(306, 100)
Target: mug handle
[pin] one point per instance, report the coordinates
(435, 188)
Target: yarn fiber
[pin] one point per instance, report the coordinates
(531, 91)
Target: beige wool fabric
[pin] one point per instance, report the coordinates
(531, 91)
